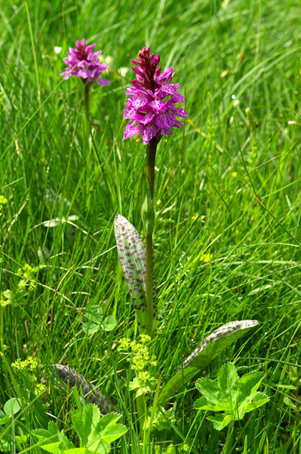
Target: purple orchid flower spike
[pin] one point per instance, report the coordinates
(152, 104)
(84, 63)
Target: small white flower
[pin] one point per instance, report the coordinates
(57, 49)
(123, 71)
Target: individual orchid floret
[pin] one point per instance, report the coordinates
(84, 63)
(151, 108)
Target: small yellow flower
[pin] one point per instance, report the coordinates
(206, 257)
(234, 174)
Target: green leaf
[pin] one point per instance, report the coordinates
(286, 400)
(107, 420)
(12, 406)
(211, 347)
(112, 433)
(96, 433)
(252, 381)
(231, 394)
(4, 420)
(99, 447)
(52, 440)
(220, 421)
(94, 314)
(109, 323)
(53, 448)
(14, 297)
(90, 328)
(134, 384)
(82, 451)
(213, 397)
(86, 451)
(84, 421)
(256, 401)
(132, 256)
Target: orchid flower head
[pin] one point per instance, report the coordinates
(151, 105)
(84, 63)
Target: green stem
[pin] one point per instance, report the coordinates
(228, 445)
(1, 327)
(149, 285)
(150, 163)
(140, 410)
(86, 145)
(87, 107)
(150, 172)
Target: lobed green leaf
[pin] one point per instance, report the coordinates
(233, 395)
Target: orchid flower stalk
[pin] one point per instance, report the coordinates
(84, 63)
(152, 111)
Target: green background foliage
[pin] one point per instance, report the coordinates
(227, 232)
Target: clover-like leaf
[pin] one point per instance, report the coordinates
(94, 314)
(233, 395)
(109, 323)
(132, 256)
(12, 406)
(90, 327)
(211, 347)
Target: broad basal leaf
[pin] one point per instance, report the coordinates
(90, 393)
(132, 256)
(211, 347)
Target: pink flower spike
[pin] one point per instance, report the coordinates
(148, 132)
(131, 130)
(84, 63)
(152, 100)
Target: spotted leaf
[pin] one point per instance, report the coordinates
(211, 347)
(90, 393)
(132, 256)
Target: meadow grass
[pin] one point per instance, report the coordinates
(227, 235)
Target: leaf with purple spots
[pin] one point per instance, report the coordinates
(91, 394)
(211, 347)
(132, 256)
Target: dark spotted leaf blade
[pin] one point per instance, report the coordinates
(211, 347)
(92, 394)
(132, 256)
